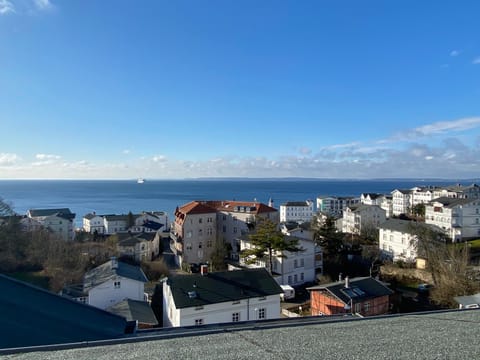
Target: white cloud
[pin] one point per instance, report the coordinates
(454, 53)
(476, 61)
(7, 159)
(6, 7)
(43, 4)
(159, 158)
(448, 126)
(126, 151)
(47, 157)
(305, 150)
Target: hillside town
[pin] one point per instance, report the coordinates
(229, 261)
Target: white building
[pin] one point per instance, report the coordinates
(289, 268)
(401, 201)
(221, 297)
(143, 246)
(298, 211)
(458, 191)
(108, 284)
(360, 218)
(93, 223)
(58, 221)
(334, 205)
(308, 235)
(397, 239)
(458, 217)
(371, 198)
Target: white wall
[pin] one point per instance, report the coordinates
(398, 245)
(248, 309)
(105, 295)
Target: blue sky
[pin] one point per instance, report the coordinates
(180, 89)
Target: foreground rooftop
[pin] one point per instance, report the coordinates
(433, 335)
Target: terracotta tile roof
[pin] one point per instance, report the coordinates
(241, 206)
(195, 207)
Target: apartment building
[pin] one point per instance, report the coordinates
(298, 211)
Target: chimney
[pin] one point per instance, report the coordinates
(340, 277)
(204, 270)
(347, 282)
(114, 262)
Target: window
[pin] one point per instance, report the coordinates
(366, 307)
(188, 246)
(302, 262)
(224, 228)
(189, 234)
(234, 230)
(235, 317)
(200, 232)
(295, 263)
(224, 217)
(209, 231)
(200, 245)
(209, 220)
(200, 220)
(209, 243)
(116, 284)
(198, 322)
(295, 278)
(289, 279)
(262, 313)
(302, 277)
(358, 308)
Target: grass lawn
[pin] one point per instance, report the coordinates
(474, 244)
(35, 278)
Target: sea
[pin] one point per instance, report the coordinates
(122, 196)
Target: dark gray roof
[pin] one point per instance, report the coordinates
(134, 310)
(63, 213)
(131, 239)
(116, 217)
(428, 336)
(30, 316)
(90, 216)
(403, 191)
(221, 287)
(105, 272)
(370, 288)
(452, 202)
(295, 203)
(406, 226)
(372, 196)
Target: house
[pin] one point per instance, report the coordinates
(108, 284)
(301, 233)
(359, 219)
(220, 297)
(93, 223)
(235, 218)
(115, 223)
(31, 316)
(150, 221)
(58, 221)
(137, 311)
(401, 201)
(458, 191)
(200, 225)
(289, 268)
(334, 205)
(365, 296)
(144, 246)
(193, 233)
(371, 198)
(299, 211)
(458, 217)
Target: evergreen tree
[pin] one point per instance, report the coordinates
(268, 241)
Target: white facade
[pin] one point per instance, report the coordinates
(459, 218)
(397, 241)
(298, 211)
(401, 201)
(115, 290)
(115, 223)
(57, 225)
(356, 219)
(259, 308)
(290, 269)
(92, 223)
(333, 205)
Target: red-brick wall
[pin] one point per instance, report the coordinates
(322, 302)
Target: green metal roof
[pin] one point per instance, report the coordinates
(198, 290)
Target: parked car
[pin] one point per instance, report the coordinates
(424, 288)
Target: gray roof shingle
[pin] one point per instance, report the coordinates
(106, 272)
